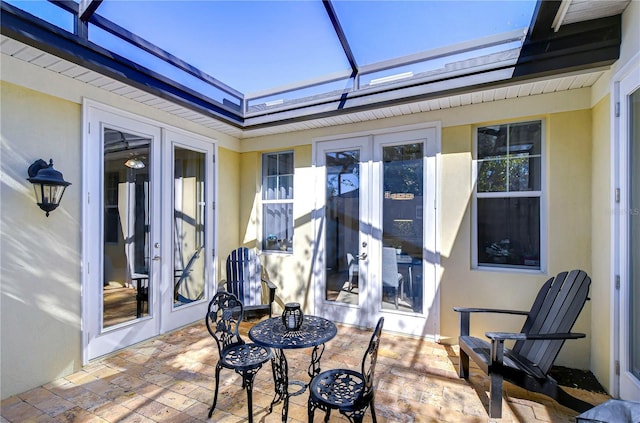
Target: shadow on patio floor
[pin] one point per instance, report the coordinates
(171, 379)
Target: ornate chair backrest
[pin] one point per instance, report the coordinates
(369, 361)
(244, 276)
(223, 320)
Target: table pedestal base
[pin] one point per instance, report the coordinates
(281, 378)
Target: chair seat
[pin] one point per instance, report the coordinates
(245, 357)
(339, 388)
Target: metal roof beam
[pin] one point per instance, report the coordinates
(341, 36)
(87, 8)
(23, 27)
(574, 46)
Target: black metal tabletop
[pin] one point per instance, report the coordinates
(273, 333)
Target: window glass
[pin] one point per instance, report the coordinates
(509, 231)
(509, 157)
(277, 201)
(509, 163)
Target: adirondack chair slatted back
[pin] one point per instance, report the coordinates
(555, 310)
(243, 276)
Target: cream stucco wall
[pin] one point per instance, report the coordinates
(40, 256)
(568, 150)
(227, 206)
(602, 357)
(601, 243)
(290, 272)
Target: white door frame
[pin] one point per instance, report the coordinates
(624, 385)
(162, 316)
(427, 325)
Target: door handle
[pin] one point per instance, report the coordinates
(156, 258)
(362, 256)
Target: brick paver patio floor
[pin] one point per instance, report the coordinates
(171, 379)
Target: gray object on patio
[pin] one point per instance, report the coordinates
(244, 280)
(223, 321)
(391, 278)
(612, 411)
(527, 364)
(352, 265)
(348, 391)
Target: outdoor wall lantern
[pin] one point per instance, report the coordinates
(48, 184)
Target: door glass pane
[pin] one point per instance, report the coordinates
(126, 227)
(402, 227)
(634, 234)
(343, 225)
(189, 226)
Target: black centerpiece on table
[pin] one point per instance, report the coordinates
(292, 316)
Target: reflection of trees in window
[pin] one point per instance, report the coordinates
(509, 157)
(509, 161)
(403, 172)
(343, 172)
(403, 168)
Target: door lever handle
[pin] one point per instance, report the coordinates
(362, 256)
(156, 258)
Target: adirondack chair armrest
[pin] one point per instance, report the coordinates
(272, 289)
(269, 284)
(489, 310)
(503, 336)
(465, 315)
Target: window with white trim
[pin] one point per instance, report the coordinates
(508, 194)
(277, 201)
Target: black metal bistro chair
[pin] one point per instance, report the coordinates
(223, 321)
(348, 391)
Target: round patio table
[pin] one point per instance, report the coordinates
(272, 333)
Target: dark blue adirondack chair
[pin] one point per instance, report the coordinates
(244, 280)
(527, 364)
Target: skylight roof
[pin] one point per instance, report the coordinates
(253, 63)
(254, 46)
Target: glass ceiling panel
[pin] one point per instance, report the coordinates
(248, 45)
(382, 30)
(140, 57)
(47, 12)
(285, 54)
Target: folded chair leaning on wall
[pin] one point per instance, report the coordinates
(244, 280)
(547, 326)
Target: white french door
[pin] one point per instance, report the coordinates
(628, 237)
(147, 229)
(376, 227)
(188, 229)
